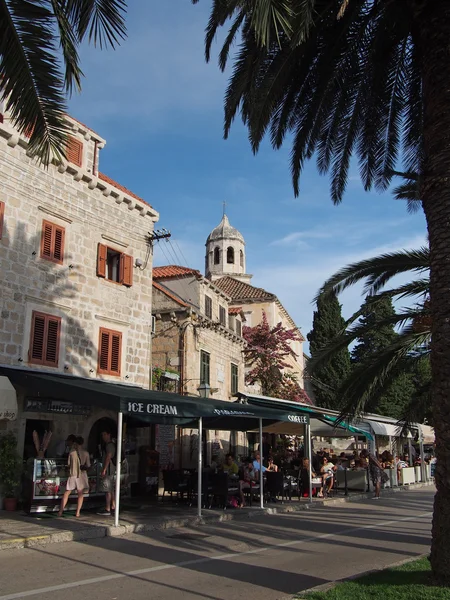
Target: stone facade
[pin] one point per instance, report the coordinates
(184, 332)
(93, 212)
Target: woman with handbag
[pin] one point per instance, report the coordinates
(78, 464)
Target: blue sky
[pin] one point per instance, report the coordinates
(159, 107)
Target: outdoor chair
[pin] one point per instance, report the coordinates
(277, 485)
(174, 483)
(223, 488)
(207, 488)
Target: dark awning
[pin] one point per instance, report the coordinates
(143, 405)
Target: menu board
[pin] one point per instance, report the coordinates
(165, 443)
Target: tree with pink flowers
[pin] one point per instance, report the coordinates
(267, 351)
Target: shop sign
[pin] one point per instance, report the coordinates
(55, 406)
(151, 409)
(298, 418)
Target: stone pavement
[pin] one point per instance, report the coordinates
(18, 530)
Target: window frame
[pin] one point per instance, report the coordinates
(112, 334)
(205, 367)
(217, 255)
(47, 318)
(234, 379)
(52, 229)
(208, 306)
(222, 313)
(125, 265)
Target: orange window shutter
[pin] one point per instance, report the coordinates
(103, 351)
(58, 251)
(47, 240)
(127, 277)
(37, 338)
(74, 151)
(52, 345)
(101, 260)
(2, 216)
(116, 351)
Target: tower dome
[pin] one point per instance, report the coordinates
(225, 252)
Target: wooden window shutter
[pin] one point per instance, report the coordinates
(37, 338)
(127, 270)
(101, 260)
(74, 151)
(110, 352)
(46, 240)
(52, 345)
(103, 351)
(58, 244)
(45, 338)
(116, 347)
(2, 216)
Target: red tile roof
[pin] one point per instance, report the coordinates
(169, 293)
(107, 179)
(172, 271)
(235, 310)
(238, 290)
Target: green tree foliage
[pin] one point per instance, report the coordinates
(327, 379)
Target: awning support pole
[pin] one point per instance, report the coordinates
(199, 467)
(423, 470)
(308, 439)
(261, 477)
(118, 467)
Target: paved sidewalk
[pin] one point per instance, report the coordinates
(18, 530)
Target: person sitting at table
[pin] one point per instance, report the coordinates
(257, 463)
(327, 473)
(249, 479)
(230, 466)
(272, 467)
(304, 478)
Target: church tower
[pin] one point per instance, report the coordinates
(225, 253)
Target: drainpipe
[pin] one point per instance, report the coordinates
(94, 164)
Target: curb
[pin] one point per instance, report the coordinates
(326, 587)
(100, 531)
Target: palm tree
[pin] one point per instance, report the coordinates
(36, 36)
(408, 352)
(365, 79)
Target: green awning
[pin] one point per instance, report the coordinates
(143, 405)
(293, 407)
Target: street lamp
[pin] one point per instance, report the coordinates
(204, 389)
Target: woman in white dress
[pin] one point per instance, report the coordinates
(78, 463)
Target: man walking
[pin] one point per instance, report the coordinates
(107, 474)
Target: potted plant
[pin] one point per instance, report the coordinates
(9, 471)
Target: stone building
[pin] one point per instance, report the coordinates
(225, 262)
(76, 273)
(197, 340)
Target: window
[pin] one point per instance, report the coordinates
(234, 379)
(238, 328)
(216, 256)
(114, 265)
(52, 242)
(74, 151)
(204, 367)
(109, 352)
(241, 257)
(2, 216)
(230, 256)
(222, 316)
(44, 343)
(208, 307)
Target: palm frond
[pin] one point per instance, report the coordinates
(368, 378)
(101, 20)
(31, 81)
(377, 271)
(68, 43)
